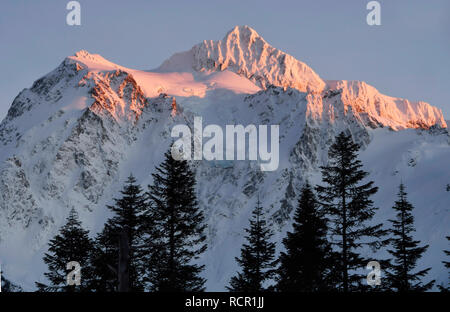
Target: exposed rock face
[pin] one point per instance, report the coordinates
(248, 54)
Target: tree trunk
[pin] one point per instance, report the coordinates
(124, 262)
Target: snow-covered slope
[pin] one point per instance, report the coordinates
(376, 109)
(73, 137)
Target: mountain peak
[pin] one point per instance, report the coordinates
(85, 55)
(244, 52)
(82, 54)
(244, 33)
(93, 61)
(243, 29)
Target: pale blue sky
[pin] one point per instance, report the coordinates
(407, 56)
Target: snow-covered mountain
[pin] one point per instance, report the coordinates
(73, 137)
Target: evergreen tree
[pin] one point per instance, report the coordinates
(175, 229)
(447, 265)
(406, 250)
(71, 244)
(346, 200)
(105, 260)
(8, 286)
(307, 264)
(257, 257)
(127, 222)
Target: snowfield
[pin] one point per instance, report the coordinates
(73, 137)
